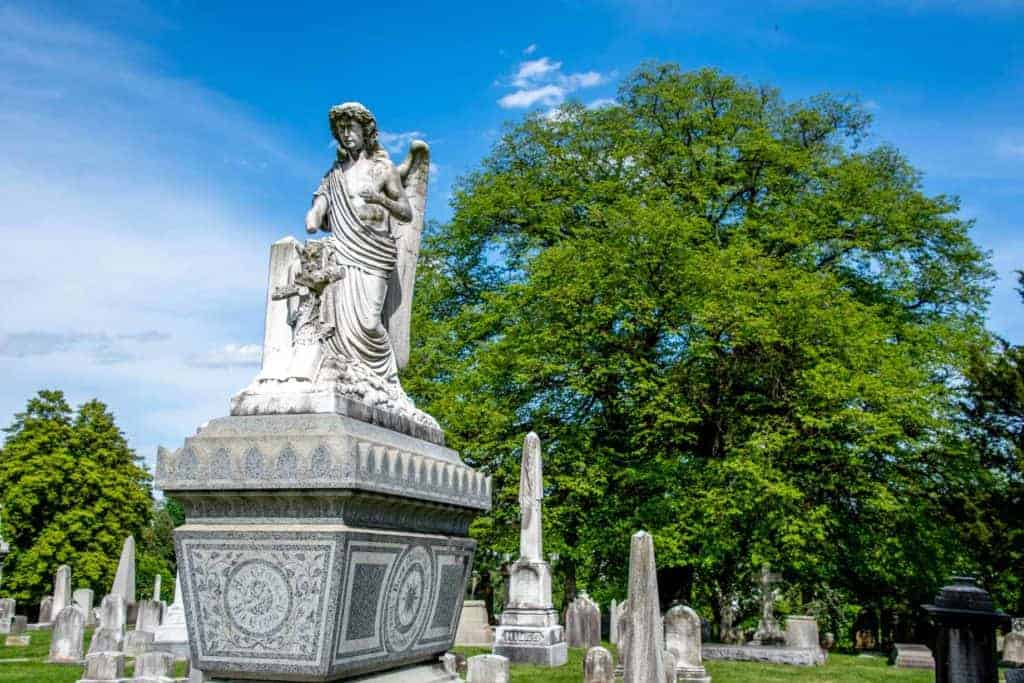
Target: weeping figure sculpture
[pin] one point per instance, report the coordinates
(338, 308)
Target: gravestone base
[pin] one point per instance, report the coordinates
(418, 673)
(528, 636)
(771, 654)
(18, 641)
(318, 547)
(694, 674)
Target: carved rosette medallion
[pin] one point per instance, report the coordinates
(258, 598)
(408, 597)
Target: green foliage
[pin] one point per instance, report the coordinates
(71, 491)
(992, 511)
(731, 325)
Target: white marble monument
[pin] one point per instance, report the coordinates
(583, 623)
(642, 637)
(474, 626)
(325, 519)
(172, 634)
(124, 580)
(528, 630)
(683, 639)
(61, 588)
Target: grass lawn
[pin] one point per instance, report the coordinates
(839, 669)
(37, 670)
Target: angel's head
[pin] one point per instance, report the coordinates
(354, 128)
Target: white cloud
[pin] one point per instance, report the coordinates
(541, 81)
(228, 356)
(398, 143)
(530, 49)
(137, 214)
(548, 95)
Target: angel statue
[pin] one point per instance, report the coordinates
(339, 308)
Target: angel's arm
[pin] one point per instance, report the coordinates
(392, 197)
(315, 215)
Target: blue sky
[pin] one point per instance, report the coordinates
(150, 153)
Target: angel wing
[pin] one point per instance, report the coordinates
(397, 314)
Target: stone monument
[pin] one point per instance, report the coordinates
(172, 635)
(1013, 644)
(583, 623)
(326, 530)
(965, 639)
(613, 626)
(474, 625)
(68, 636)
(528, 630)
(18, 636)
(5, 550)
(683, 639)
(597, 665)
(124, 580)
(768, 631)
(83, 598)
(61, 588)
(487, 669)
(642, 651)
(46, 610)
(912, 656)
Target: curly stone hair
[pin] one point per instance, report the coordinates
(354, 111)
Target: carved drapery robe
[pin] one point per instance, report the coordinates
(364, 247)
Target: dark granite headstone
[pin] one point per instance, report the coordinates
(965, 642)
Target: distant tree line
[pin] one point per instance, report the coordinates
(71, 491)
(736, 325)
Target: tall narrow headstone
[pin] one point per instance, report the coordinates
(68, 636)
(644, 638)
(157, 585)
(172, 636)
(768, 630)
(46, 610)
(598, 667)
(61, 588)
(613, 625)
(83, 598)
(683, 639)
(109, 637)
(583, 623)
(529, 631)
(148, 616)
(124, 581)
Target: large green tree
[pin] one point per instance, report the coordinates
(731, 322)
(71, 491)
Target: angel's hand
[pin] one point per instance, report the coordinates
(371, 196)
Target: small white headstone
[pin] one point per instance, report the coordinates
(68, 636)
(598, 666)
(487, 669)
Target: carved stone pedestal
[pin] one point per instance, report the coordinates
(318, 547)
(529, 632)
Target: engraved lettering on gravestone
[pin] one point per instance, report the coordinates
(523, 637)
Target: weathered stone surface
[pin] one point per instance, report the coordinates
(148, 615)
(583, 623)
(157, 585)
(113, 613)
(1013, 644)
(8, 607)
(683, 640)
(528, 631)
(172, 636)
(768, 630)
(137, 643)
(154, 665)
(598, 666)
(104, 666)
(68, 635)
(488, 669)
(802, 632)
(965, 622)
(772, 654)
(19, 624)
(61, 588)
(83, 598)
(668, 659)
(913, 656)
(124, 580)
(23, 640)
(474, 625)
(643, 639)
(46, 610)
(106, 640)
